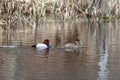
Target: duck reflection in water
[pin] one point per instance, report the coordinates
(42, 53)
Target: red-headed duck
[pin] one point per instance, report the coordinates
(44, 45)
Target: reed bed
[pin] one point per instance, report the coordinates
(33, 11)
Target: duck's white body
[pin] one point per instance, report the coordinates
(41, 46)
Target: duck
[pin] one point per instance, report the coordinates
(73, 46)
(41, 46)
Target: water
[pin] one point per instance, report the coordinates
(98, 60)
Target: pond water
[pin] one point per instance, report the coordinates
(98, 60)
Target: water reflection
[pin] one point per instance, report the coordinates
(103, 73)
(8, 66)
(102, 48)
(59, 34)
(98, 60)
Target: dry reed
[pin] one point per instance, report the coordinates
(34, 11)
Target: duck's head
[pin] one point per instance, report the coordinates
(46, 41)
(77, 42)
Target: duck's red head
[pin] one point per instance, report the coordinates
(46, 41)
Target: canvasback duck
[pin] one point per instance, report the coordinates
(73, 46)
(44, 45)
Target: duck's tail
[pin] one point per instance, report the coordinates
(34, 46)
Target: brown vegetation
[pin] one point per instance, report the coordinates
(12, 11)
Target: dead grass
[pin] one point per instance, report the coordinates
(34, 11)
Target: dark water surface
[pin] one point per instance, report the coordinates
(98, 60)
